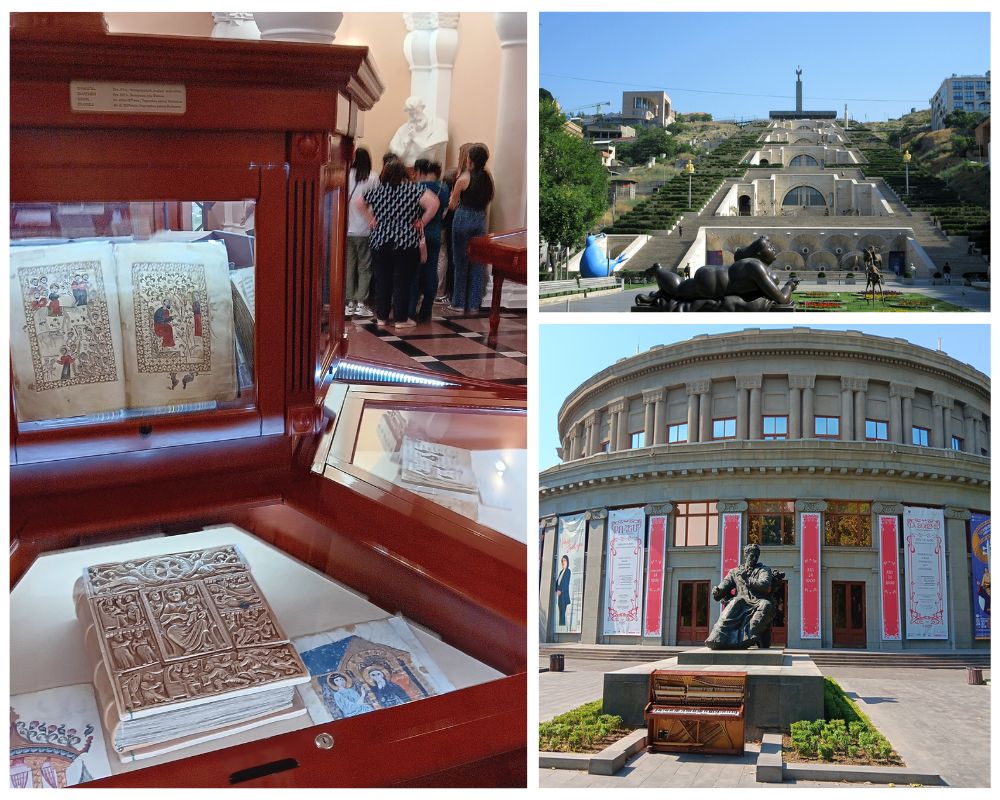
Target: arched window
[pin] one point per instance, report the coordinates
(803, 160)
(804, 196)
(802, 141)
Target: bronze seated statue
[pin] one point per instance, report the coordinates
(749, 592)
(745, 285)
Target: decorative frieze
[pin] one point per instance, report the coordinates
(596, 513)
(659, 509)
(887, 508)
(731, 506)
(810, 505)
(654, 395)
(953, 512)
(699, 387)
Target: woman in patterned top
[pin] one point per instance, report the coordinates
(397, 211)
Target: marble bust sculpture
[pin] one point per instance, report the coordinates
(421, 136)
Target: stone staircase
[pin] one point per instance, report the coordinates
(905, 659)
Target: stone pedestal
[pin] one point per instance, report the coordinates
(778, 694)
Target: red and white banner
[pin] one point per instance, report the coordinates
(623, 586)
(888, 548)
(809, 569)
(656, 560)
(926, 582)
(730, 541)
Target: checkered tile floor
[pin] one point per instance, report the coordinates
(454, 346)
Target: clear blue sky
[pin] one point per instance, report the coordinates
(569, 354)
(880, 64)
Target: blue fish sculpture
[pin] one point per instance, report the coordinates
(595, 264)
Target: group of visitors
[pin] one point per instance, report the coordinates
(408, 236)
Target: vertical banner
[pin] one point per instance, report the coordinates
(623, 585)
(730, 541)
(888, 548)
(568, 588)
(926, 583)
(980, 548)
(809, 569)
(656, 561)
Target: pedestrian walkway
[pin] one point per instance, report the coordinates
(934, 719)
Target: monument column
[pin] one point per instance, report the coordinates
(959, 600)
(939, 402)
(660, 424)
(860, 407)
(692, 393)
(743, 384)
(593, 581)
(549, 528)
(755, 421)
(972, 417)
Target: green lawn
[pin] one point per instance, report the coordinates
(853, 301)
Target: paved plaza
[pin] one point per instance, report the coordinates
(964, 296)
(934, 719)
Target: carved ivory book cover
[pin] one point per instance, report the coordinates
(99, 327)
(186, 649)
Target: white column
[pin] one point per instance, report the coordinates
(430, 48)
(509, 161)
(315, 27)
(234, 25)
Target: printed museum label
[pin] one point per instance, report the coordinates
(888, 544)
(112, 97)
(730, 542)
(568, 573)
(926, 584)
(655, 562)
(980, 549)
(810, 571)
(623, 583)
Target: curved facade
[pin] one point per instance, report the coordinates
(801, 440)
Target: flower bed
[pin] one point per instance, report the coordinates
(582, 730)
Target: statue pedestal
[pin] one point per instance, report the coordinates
(778, 694)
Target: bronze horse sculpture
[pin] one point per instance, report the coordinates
(873, 275)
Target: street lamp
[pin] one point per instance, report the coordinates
(906, 163)
(689, 169)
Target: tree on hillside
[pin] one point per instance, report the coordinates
(648, 143)
(964, 122)
(572, 183)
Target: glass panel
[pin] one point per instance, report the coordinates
(857, 606)
(685, 605)
(701, 604)
(697, 530)
(680, 532)
(472, 462)
(839, 606)
(121, 309)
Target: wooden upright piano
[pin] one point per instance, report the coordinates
(696, 712)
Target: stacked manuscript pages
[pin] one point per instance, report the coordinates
(186, 649)
(100, 327)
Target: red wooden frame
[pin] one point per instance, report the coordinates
(271, 122)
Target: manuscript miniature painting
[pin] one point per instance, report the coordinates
(362, 668)
(56, 739)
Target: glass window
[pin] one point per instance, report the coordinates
(803, 160)
(771, 522)
(921, 436)
(696, 524)
(876, 430)
(775, 427)
(724, 428)
(605, 446)
(638, 439)
(130, 309)
(827, 427)
(980, 84)
(677, 433)
(957, 443)
(803, 195)
(847, 524)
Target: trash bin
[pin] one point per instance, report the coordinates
(557, 662)
(975, 676)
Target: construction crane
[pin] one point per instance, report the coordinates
(598, 106)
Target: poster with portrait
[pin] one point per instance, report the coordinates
(567, 576)
(979, 547)
(362, 668)
(623, 571)
(926, 581)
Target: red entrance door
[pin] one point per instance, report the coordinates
(849, 614)
(692, 611)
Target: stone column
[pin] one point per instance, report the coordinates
(756, 423)
(667, 510)
(959, 599)
(593, 423)
(939, 402)
(946, 422)
(908, 418)
(897, 430)
(846, 409)
(593, 580)
(860, 407)
(234, 25)
(705, 415)
(613, 419)
(509, 163)
(649, 400)
(972, 417)
(692, 393)
(624, 434)
(550, 528)
(660, 423)
(808, 405)
(430, 48)
(743, 384)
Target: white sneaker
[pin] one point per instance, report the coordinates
(362, 310)
(349, 309)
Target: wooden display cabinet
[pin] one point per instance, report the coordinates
(274, 123)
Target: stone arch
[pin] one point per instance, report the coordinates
(780, 242)
(873, 240)
(803, 160)
(853, 260)
(821, 260)
(805, 243)
(804, 195)
(788, 259)
(803, 140)
(737, 240)
(745, 207)
(838, 244)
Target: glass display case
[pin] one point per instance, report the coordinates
(288, 456)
